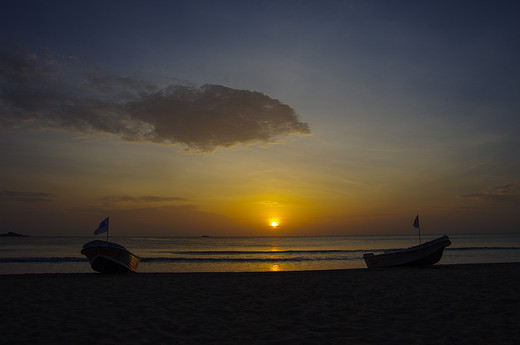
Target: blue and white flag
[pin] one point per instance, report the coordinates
(415, 222)
(103, 227)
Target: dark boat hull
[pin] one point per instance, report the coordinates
(107, 257)
(426, 254)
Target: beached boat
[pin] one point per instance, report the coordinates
(426, 254)
(108, 257)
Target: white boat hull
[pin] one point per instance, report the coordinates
(426, 254)
(108, 257)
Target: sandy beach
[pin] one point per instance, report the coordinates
(445, 304)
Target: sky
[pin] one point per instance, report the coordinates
(218, 118)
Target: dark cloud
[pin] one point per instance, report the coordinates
(44, 91)
(211, 116)
(504, 194)
(7, 195)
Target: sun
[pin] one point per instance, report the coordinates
(274, 223)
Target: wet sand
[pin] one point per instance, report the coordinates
(444, 304)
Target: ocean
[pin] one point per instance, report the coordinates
(20, 255)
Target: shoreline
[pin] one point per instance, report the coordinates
(461, 303)
(364, 268)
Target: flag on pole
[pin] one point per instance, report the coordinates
(103, 227)
(416, 222)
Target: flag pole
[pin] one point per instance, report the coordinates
(419, 227)
(108, 223)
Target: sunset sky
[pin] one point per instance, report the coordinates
(190, 118)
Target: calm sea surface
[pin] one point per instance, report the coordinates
(231, 254)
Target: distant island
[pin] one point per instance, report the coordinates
(12, 234)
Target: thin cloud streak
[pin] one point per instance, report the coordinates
(10, 196)
(115, 199)
(505, 194)
(44, 92)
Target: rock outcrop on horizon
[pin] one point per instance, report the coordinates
(12, 234)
